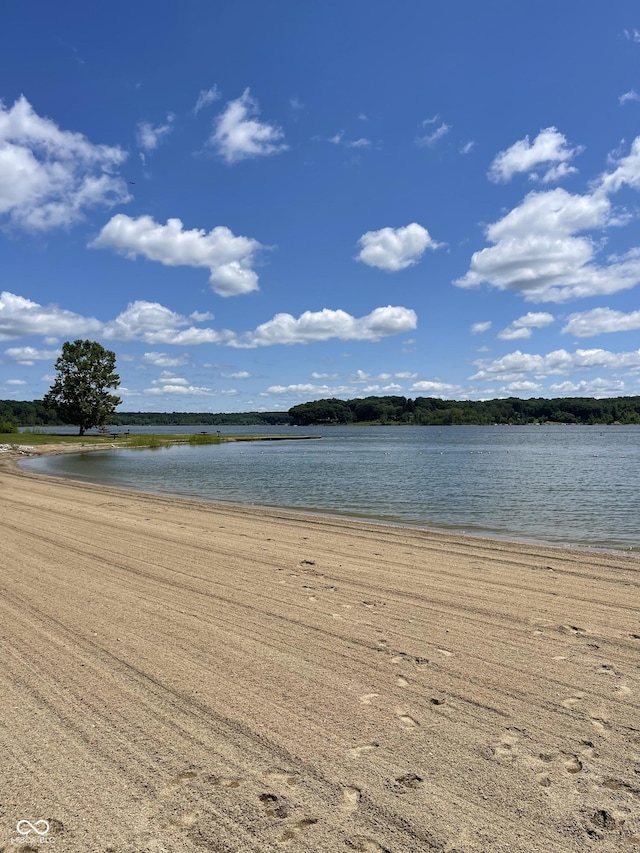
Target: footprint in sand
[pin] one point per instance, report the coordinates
(573, 630)
(407, 722)
(506, 750)
(274, 806)
(572, 764)
(282, 778)
(600, 725)
(178, 782)
(407, 782)
(366, 845)
(290, 833)
(357, 751)
(225, 781)
(572, 701)
(350, 799)
(368, 698)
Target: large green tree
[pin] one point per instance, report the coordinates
(80, 393)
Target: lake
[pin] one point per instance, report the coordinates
(569, 485)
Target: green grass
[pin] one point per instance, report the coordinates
(205, 439)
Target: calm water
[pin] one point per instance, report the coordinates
(568, 485)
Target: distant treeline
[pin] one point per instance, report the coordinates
(422, 411)
(34, 413)
(429, 411)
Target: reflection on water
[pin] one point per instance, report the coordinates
(572, 485)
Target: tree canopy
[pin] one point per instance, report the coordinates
(80, 392)
(431, 411)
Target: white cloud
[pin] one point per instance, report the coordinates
(163, 359)
(239, 135)
(431, 139)
(521, 328)
(516, 364)
(478, 328)
(627, 171)
(549, 147)
(631, 95)
(49, 177)
(363, 376)
(435, 388)
(633, 35)
(238, 374)
(394, 249)
(599, 321)
(149, 137)
(29, 355)
(467, 147)
(537, 254)
(20, 317)
(594, 388)
(307, 389)
(520, 387)
(228, 258)
(206, 97)
(315, 326)
(339, 139)
(178, 389)
(16, 382)
(141, 318)
(156, 324)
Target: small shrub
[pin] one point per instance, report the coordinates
(7, 427)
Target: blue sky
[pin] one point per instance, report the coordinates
(256, 204)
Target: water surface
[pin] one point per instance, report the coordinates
(564, 485)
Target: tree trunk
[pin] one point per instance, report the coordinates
(81, 432)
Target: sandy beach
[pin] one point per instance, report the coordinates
(183, 676)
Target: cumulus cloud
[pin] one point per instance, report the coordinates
(435, 388)
(315, 326)
(50, 178)
(206, 97)
(538, 254)
(394, 249)
(626, 172)
(149, 137)
(163, 359)
(593, 388)
(520, 387)
(521, 328)
(479, 328)
(238, 134)
(549, 147)
(228, 258)
(29, 355)
(307, 389)
(516, 364)
(633, 35)
(155, 324)
(16, 382)
(20, 317)
(599, 321)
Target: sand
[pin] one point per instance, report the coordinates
(183, 676)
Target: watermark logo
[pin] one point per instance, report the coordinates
(32, 833)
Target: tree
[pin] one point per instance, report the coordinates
(80, 392)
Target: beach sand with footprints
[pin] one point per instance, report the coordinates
(182, 676)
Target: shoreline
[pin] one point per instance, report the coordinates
(61, 449)
(183, 675)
